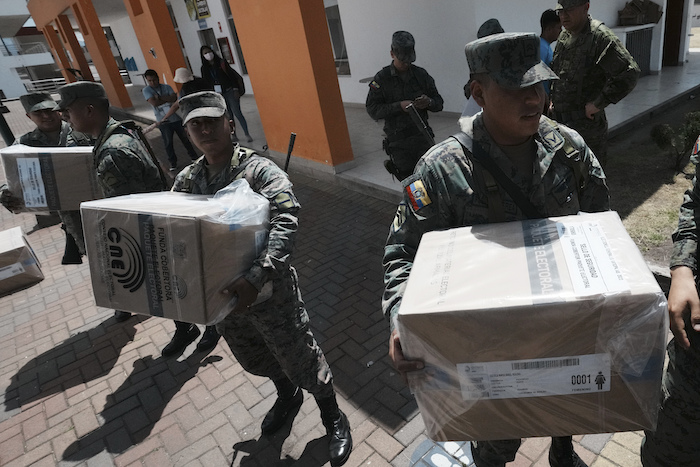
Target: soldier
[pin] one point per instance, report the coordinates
(449, 187)
(395, 87)
(676, 440)
(51, 131)
(268, 333)
(594, 69)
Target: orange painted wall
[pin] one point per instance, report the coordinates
(290, 62)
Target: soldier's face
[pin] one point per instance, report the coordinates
(78, 114)
(211, 135)
(399, 65)
(574, 19)
(511, 116)
(46, 120)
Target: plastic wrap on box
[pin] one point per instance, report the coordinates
(19, 267)
(50, 179)
(547, 327)
(171, 254)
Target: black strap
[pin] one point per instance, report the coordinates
(506, 183)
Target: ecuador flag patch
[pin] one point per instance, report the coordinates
(417, 195)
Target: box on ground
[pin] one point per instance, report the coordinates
(19, 267)
(50, 179)
(167, 254)
(537, 328)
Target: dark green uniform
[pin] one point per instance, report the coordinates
(404, 142)
(273, 337)
(676, 441)
(593, 66)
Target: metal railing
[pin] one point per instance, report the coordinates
(52, 84)
(22, 48)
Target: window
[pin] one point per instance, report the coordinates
(335, 28)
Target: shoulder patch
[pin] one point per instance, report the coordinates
(696, 147)
(417, 195)
(284, 201)
(374, 85)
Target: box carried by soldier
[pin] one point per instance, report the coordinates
(534, 328)
(19, 267)
(50, 179)
(171, 254)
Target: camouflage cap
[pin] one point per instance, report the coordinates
(490, 27)
(74, 91)
(202, 104)
(512, 60)
(35, 101)
(403, 46)
(566, 4)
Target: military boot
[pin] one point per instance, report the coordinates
(337, 429)
(562, 454)
(289, 399)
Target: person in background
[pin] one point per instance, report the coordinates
(487, 28)
(227, 82)
(190, 85)
(550, 27)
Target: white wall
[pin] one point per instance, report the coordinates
(10, 82)
(129, 47)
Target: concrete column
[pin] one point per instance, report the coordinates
(71, 43)
(291, 67)
(157, 37)
(59, 54)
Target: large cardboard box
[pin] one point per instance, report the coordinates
(50, 179)
(19, 267)
(166, 254)
(537, 328)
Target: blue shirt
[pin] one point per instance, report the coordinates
(161, 110)
(546, 54)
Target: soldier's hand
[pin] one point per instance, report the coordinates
(591, 110)
(402, 365)
(11, 202)
(405, 104)
(423, 102)
(682, 299)
(244, 292)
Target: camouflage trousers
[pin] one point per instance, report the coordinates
(594, 133)
(676, 441)
(74, 227)
(273, 339)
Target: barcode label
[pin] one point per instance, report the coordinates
(11, 270)
(535, 377)
(33, 191)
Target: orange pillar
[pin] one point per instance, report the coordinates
(58, 53)
(154, 31)
(101, 54)
(71, 43)
(291, 67)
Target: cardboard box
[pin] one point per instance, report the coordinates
(50, 179)
(537, 328)
(19, 267)
(166, 254)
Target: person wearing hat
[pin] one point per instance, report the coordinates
(594, 69)
(268, 329)
(162, 97)
(487, 28)
(393, 88)
(449, 186)
(51, 131)
(190, 85)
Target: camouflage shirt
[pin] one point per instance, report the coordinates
(265, 178)
(447, 190)
(685, 238)
(593, 66)
(66, 138)
(124, 165)
(389, 88)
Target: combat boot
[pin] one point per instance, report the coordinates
(185, 334)
(562, 454)
(289, 399)
(337, 429)
(71, 254)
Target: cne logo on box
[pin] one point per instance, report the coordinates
(126, 259)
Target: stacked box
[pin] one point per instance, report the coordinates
(19, 267)
(537, 328)
(50, 179)
(167, 254)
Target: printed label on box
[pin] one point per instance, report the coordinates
(592, 266)
(535, 378)
(29, 170)
(11, 271)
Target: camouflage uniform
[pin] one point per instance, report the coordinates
(272, 338)
(676, 441)
(593, 66)
(403, 141)
(452, 192)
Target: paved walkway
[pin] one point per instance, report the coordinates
(83, 390)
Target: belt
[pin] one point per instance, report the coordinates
(402, 134)
(564, 117)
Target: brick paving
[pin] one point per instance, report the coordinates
(80, 389)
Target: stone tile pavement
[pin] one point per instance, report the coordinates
(82, 390)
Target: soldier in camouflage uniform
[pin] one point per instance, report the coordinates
(549, 163)
(676, 441)
(594, 69)
(268, 329)
(392, 89)
(122, 162)
(51, 131)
